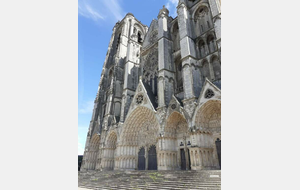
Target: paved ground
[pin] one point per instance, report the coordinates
(158, 180)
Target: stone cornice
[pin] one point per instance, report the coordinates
(188, 56)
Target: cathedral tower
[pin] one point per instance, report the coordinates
(158, 105)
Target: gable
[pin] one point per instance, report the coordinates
(142, 97)
(174, 105)
(209, 92)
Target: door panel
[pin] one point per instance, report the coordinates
(218, 145)
(152, 160)
(183, 162)
(141, 159)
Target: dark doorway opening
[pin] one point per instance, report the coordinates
(152, 159)
(218, 145)
(183, 161)
(141, 159)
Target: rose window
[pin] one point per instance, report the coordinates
(139, 99)
(173, 106)
(209, 93)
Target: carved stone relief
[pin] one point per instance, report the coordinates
(139, 99)
(189, 107)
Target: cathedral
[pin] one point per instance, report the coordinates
(158, 105)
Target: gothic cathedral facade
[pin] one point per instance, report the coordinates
(158, 105)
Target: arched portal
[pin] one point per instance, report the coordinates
(92, 154)
(140, 130)
(109, 152)
(208, 123)
(208, 117)
(174, 151)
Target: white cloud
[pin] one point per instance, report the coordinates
(98, 10)
(86, 107)
(171, 6)
(87, 11)
(93, 13)
(115, 9)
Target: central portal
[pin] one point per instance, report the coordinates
(152, 160)
(139, 137)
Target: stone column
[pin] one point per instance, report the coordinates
(130, 69)
(211, 70)
(201, 140)
(165, 68)
(188, 52)
(211, 158)
(197, 158)
(201, 158)
(136, 162)
(192, 158)
(206, 48)
(133, 164)
(207, 158)
(146, 157)
(215, 157)
(215, 7)
(187, 161)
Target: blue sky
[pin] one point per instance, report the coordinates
(96, 19)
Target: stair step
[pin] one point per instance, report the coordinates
(203, 179)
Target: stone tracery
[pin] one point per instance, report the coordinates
(150, 70)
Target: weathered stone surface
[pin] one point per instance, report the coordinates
(209, 180)
(158, 105)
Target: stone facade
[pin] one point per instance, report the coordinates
(158, 104)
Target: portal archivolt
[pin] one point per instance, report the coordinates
(92, 154)
(109, 152)
(206, 155)
(208, 117)
(140, 129)
(176, 130)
